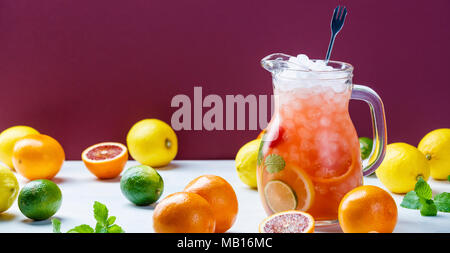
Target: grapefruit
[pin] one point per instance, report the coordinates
(288, 222)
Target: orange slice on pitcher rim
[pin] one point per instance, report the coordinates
(288, 222)
(105, 160)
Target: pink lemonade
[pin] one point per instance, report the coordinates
(309, 156)
(312, 132)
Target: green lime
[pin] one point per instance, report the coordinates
(142, 185)
(279, 196)
(40, 199)
(365, 145)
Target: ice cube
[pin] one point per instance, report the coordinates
(303, 59)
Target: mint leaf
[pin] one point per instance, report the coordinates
(100, 213)
(115, 229)
(103, 225)
(56, 225)
(274, 163)
(101, 228)
(111, 220)
(259, 160)
(81, 229)
(448, 178)
(422, 189)
(442, 202)
(411, 201)
(428, 208)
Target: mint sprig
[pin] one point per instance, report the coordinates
(423, 189)
(56, 226)
(82, 229)
(421, 198)
(274, 163)
(442, 202)
(260, 158)
(411, 201)
(428, 208)
(104, 223)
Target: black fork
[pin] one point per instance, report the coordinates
(337, 22)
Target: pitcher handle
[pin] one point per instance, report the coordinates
(364, 93)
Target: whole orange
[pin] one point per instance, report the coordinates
(367, 209)
(219, 193)
(38, 156)
(183, 212)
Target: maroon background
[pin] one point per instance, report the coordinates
(84, 71)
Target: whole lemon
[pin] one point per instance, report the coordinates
(402, 166)
(9, 188)
(246, 162)
(152, 142)
(436, 147)
(7, 140)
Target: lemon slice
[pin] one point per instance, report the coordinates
(279, 196)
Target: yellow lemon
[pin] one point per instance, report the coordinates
(402, 166)
(9, 188)
(436, 147)
(152, 142)
(246, 162)
(7, 140)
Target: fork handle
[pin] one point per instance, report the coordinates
(327, 58)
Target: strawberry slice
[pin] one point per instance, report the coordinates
(274, 138)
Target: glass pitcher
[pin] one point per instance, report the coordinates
(309, 156)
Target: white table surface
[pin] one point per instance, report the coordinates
(80, 189)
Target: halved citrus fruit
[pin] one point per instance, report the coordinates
(279, 196)
(288, 222)
(105, 160)
(296, 191)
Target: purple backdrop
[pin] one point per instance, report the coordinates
(84, 71)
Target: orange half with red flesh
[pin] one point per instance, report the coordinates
(288, 222)
(105, 160)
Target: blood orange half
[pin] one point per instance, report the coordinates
(105, 160)
(288, 222)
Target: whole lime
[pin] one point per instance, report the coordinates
(142, 185)
(365, 145)
(40, 199)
